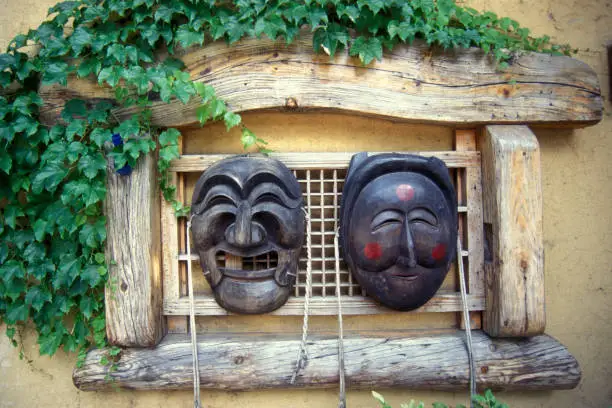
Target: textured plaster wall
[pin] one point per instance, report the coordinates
(577, 181)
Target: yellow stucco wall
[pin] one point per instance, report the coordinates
(577, 177)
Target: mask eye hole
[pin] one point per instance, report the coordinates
(386, 219)
(423, 216)
(268, 198)
(219, 200)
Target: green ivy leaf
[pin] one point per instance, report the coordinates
(74, 108)
(169, 153)
(49, 177)
(128, 128)
(367, 48)
(76, 127)
(231, 120)
(93, 275)
(374, 5)
(87, 306)
(90, 165)
(110, 75)
(248, 138)
(49, 343)
(6, 162)
(67, 272)
(100, 136)
(16, 312)
(169, 137)
(164, 13)
(37, 296)
(404, 30)
(11, 270)
(55, 72)
(184, 90)
(187, 37)
(80, 39)
(40, 229)
(330, 38)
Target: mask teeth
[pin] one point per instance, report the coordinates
(251, 263)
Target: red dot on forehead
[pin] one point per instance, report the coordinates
(404, 192)
(438, 252)
(372, 250)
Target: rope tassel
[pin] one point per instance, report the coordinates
(341, 376)
(468, 323)
(302, 355)
(192, 325)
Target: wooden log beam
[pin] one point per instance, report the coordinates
(414, 83)
(248, 363)
(134, 295)
(512, 213)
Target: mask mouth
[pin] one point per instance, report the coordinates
(406, 276)
(258, 267)
(404, 271)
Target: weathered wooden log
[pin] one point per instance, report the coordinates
(248, 362)
(134, 295)
(412, 82)
(512, 212)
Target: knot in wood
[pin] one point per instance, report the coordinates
(291, 103)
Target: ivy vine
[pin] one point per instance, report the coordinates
(52, 179)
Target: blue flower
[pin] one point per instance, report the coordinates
(117, 140)
(125, 170)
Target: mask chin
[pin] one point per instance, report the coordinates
(404, 288)
(250, 297)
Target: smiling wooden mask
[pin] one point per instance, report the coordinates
(398, 226)
(248, 229)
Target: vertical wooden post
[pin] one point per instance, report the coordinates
(134, 296)
(512, 206)
(469, 194)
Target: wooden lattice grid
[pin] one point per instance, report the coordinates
(321, 177)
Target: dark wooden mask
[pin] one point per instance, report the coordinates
(248, 209)
(398, 226)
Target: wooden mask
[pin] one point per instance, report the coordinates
(248, 209)
(398, 226)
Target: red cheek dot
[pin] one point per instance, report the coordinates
(438, 252)
(404, 192)
(372, 250)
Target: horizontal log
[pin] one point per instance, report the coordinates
(411, 83)
(249, 362)
(353, 305)
(318, 160)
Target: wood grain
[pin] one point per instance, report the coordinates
(469, 189)
(320, 306)
(134, 297)
(251, 363)
(414, 83)
(512, 210)
(319, 160)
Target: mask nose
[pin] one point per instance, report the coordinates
(243, 232)
(407, 248)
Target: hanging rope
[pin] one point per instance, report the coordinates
(466, 319)
(342, 392)
(302, 355)
(192, 325)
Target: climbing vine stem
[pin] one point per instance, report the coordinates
(53, 269)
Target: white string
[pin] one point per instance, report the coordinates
(302, 355)
(468, 324)
(342, 392)
(192, 325)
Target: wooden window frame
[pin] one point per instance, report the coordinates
(413, 83)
